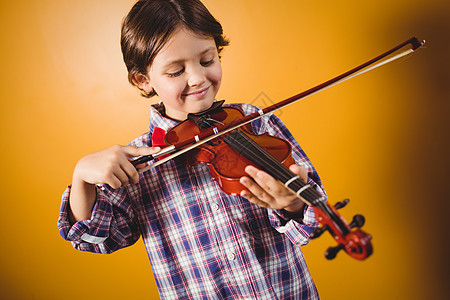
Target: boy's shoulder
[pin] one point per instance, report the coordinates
(245, 107)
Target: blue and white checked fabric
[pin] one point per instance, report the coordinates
(201, 242)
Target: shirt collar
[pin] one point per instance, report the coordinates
(157, 118)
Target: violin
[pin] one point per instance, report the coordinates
(222, 139)
(225, 160)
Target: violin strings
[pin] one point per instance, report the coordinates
(251, 150)
(264, 158)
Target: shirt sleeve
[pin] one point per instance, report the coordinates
(297, 228)
(110, 227)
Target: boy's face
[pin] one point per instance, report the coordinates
(186, 74)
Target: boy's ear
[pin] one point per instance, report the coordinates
(143, 82)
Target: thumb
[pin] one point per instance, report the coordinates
(134, 151)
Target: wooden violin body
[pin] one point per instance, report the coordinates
(226, 165)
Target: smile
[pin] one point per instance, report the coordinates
(198, 94)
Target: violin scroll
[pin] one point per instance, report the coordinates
(350, 237)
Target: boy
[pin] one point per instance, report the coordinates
(201, 242)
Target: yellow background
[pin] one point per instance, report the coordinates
(380, 139)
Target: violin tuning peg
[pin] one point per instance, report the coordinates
(341, 204)
(358, 221)
(333, 251)
(318, 232)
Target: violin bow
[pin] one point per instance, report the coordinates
(211, 133)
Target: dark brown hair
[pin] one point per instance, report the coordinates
(149, 25)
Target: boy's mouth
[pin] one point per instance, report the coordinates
(198, 94)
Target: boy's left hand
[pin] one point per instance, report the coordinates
(268, 192)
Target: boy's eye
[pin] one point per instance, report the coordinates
(178, 73)
(175, 74)
(207, 63)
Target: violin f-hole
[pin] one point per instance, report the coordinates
(214, 143)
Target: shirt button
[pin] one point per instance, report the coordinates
(215, 206)
(231, 256)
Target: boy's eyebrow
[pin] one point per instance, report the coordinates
(177, 61)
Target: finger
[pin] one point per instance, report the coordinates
(125, 170)
(255, 193)
(300, 171)
(270, 185)
(114, 182)
(130, 170)
(266, 201)
(114, 179)
(122, 176)
(134, 151)
(116, 175)
(251, 197)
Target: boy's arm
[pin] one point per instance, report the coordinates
(101, 219)
(84, 195)
(111, 226)
(109, 166)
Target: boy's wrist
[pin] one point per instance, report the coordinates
(295, 208)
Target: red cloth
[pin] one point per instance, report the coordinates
(158, 139)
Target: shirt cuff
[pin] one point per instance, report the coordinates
(286, 216)
(297, 227)
(298, 230)
(95, 230)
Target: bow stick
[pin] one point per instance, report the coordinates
(211, 133)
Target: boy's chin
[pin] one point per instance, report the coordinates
(201, 105)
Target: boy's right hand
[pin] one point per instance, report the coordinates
(111, 166)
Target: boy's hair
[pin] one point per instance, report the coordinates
(149, 25)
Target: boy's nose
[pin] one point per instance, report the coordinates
(197, 77)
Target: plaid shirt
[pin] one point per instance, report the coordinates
(202, 243)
